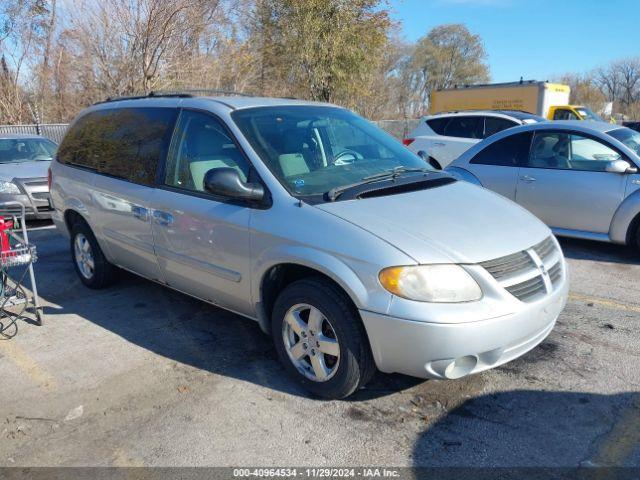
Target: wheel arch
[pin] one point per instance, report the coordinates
(276, 274)
(626, 219)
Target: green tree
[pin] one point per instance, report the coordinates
(321, 49)
(448, 55)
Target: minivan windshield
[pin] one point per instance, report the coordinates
(314, 149)
(16, 150)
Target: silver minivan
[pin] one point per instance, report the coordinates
(352, 252)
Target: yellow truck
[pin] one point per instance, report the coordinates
(549, 100)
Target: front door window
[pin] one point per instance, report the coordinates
(568, 151)
(201, 143)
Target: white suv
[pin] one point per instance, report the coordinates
(443, 137)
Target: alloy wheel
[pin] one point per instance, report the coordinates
(84, 256)
(311, 342)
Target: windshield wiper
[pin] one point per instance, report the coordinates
(392, 174)
(396, 172)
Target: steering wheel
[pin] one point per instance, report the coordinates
(337, 160)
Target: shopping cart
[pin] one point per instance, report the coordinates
(17, 257)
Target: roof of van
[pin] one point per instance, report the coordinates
(237, 102)
(234, 102)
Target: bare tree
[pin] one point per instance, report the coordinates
(448, 55)
(620, 83)
(584, 90)
(21, 35)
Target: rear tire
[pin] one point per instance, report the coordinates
(307, 304)
(90, 264)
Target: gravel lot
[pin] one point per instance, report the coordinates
(140, 375)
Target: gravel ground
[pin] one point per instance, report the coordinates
(139, 375)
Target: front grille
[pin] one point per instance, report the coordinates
(35, 183)
(522, 274)
(545, 249)
(528, 289)
(555, 273)
(508, 266)
(40, 195)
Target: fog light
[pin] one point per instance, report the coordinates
(460, 367)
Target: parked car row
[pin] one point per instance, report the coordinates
(442, 138)
(349, 250)
(24, 162)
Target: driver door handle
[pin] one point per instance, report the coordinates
(528, 179)
(140, 213)
(438, 144)
(162, 218)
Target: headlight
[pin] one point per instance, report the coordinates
(431, 283)
(8, 187)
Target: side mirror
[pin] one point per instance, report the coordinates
(620, 166)
(226, 182)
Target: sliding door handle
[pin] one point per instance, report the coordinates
(528, 179)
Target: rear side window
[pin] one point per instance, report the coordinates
(507, 152)
(126, 143)
(465, 127)
(438, 124)
(496, 124)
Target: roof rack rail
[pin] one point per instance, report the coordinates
(496, 110)
(208, 92)
(176, 94)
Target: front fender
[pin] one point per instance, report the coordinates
(628, 210)
(362, 288)
(464, 175)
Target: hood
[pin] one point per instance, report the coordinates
(459, 223)
(9, 171)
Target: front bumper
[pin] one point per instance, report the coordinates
(453, 350)
(35, 209)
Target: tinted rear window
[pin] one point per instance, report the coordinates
(126, 143)
(465, 127)
(496, 124)
(508, 152)
(438, 124)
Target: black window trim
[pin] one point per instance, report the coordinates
(253, 175)
(623, 156)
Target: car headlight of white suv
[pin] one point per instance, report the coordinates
(444, 283)
(8, 187)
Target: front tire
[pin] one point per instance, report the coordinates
(90, 264)
(320, 339)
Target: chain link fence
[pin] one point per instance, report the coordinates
(52, 131)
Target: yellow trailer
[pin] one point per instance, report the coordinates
(549, 100)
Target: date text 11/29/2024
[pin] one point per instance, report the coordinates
(361, 472)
